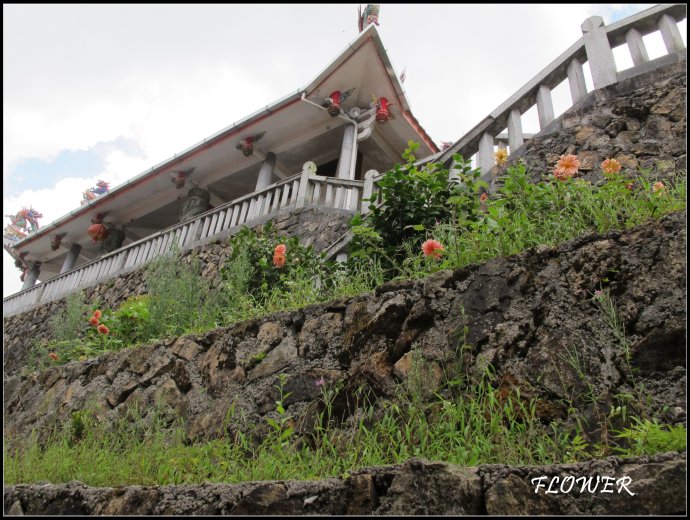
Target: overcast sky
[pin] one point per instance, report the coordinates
(107, 91)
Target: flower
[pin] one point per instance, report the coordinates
(658, 186)
(432, 248)
(320, 382)
(483, 197)
(629, 186)
(501, 156)
(102, 329)
(53, 356)
(94, 321)
(566, 167)
(97, 314)
(610, 166)
(279, 255)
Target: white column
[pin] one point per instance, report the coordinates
(544, 106)
(266, 172)
(670, 34)
(31, 275)
(347, 150)
(576, 80)
(515, 140)
(599, 53)
(71, 258)
(638, 51)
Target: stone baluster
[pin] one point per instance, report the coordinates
(544, 106)
(485, 159)
(515, 137)
(367, 190)
(670, 33)
(638, 51)
(599, 54)
(576, 80)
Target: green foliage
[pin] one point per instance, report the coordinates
(647, 437)
(71, 320)
(180, 299)
(132, 318)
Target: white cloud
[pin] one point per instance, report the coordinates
(168, 76)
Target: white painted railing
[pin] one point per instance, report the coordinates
(595, 47)
(301, 190)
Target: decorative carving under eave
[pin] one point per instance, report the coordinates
(56, 240)
(334, 101)
(197, 202)
(179, 179)
(247, 144)
(97, 230)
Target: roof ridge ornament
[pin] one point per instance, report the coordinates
(369, 16)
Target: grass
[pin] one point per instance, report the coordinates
(471, 423)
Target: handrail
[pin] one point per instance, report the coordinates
(296, 191)
(595, 46)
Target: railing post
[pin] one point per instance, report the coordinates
(576, 80)
(515, 139)
(544, 106)
(599, 54)
(638, 51)
(486, 158)
(308, 169)
(670, 34)
(367, 190)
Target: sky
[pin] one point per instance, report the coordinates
(107, 91)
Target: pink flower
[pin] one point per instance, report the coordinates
(432, 248)
(658, 186)
(53, 356)
(279, 255)
(102, 329)
(610, 166)
(320, 382)
(566, 167)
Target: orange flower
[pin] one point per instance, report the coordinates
(610, 166)
(279, 255)
(501, 156)
(97, 314)
(658, 186)
(566, 167)
(53, 356)
(483, 197)
(432, 248)
(94, 321)
(102, 329)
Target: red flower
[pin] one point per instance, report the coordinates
(102, 329)
(53, 356)
(483, 197)
(432, 248)
(94, 321)
(279, 255)
(97, 314)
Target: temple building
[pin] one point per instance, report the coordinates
(352, 118)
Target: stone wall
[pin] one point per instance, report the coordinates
(640, 121)
(521, 314)
(318, 227)
(638, 486)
